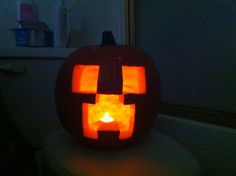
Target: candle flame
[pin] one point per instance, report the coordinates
(106, 118)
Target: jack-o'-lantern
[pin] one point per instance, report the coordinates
(107, 96)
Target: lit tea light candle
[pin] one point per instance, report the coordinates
(108, 123)
(106, 118)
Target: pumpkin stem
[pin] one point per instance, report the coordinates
(108, 39)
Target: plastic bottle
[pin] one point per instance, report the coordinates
(60, 24)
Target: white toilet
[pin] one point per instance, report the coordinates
(27, 88)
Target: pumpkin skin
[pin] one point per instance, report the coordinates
(110, 60)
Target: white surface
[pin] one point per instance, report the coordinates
(158, 155)
(214, 146)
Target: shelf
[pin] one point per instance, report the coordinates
(36, 52)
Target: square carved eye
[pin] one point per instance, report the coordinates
(85, 78)
(134, 79)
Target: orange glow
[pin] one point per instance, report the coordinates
(108, 114)
(85, 78)
(134, 79)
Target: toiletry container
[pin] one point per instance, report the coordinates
(27, 11)
(60, 24)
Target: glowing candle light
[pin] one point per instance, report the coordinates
(106, 118)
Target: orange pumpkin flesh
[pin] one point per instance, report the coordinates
(109, 112)
(85, 79)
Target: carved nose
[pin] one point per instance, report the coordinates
(110, 78)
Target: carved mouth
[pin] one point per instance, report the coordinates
(108, 114)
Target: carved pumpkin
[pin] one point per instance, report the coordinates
(107, 96)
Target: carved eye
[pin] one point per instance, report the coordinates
(134, 79)
(85, 78)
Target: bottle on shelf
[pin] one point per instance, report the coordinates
(61, 30)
